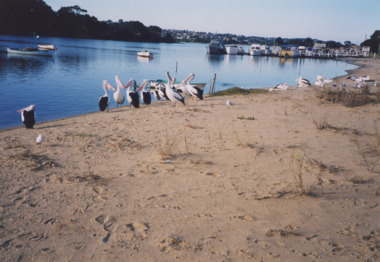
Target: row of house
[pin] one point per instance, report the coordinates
(318, 50)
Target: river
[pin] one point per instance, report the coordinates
(70, 82)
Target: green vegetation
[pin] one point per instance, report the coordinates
(239, 91)
(35, 17)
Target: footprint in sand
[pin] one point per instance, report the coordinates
(138, 230)
(109, 225)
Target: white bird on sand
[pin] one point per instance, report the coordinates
(172, 93)
(28, 116)
(229, 103)
(302, 82)
(104, 100)
(282, 86)
(118, 96)
(145, 95)
(40, 139)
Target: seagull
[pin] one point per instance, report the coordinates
(40, 139)
(118, 95)
(132, 96)
(172, 93)
(28, 116)
(229, 103)
(192, 89)
(104, 100)
(145, 95)
(302, 82)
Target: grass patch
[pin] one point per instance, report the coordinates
(307, 174)
(349, 98)
(246, 118)
(167, 147)
(239, 91)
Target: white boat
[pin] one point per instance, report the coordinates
(255, 50)
(29, 51)
(232, 49)
(145, 54)
(216, 47)
(47, 47)
(241, 50)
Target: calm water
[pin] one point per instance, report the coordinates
(70, 83)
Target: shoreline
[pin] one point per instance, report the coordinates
(277, 176)
(353, 61)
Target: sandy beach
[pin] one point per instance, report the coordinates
(279, 176)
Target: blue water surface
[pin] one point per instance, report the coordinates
(70, 82)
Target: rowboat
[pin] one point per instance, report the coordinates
(145, 54)
(47, 47)
(29, 51)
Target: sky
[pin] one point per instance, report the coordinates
(336, 20)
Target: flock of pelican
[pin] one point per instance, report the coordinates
(174, 94)
(161, 91)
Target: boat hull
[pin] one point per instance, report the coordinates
(29, 51)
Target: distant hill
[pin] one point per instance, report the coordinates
(35, 17)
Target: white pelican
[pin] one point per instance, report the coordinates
(302, 82)
(104, 100)
(156, 93)
(28, 116)
(145, 95)
(118, 96)
(319, 77)
(161, 89)
(192, 89)
(282, 86)
(172, 93)
(132, 96)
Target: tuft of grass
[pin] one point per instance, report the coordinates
(246, 118)
(370, 152)
(167, 147)
(303, 168)
(321, 124)
(239, 91)
(349, 98)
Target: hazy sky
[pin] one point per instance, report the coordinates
(337, 20)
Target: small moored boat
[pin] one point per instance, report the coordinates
(29, 51)
(145, 54)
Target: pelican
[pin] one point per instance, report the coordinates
(319, 77)
(132, 96)
(104, 100)
(118, 95)
(28, 116)
(302, 82)
(156, 93)
(172, 93)
(192, 89)
(145, 95)
(162, 91)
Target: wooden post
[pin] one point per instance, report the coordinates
(213, 84)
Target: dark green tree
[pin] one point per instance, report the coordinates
(373, 42)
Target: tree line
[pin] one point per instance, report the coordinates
(35, 17)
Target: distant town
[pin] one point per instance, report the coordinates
(275, 46)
